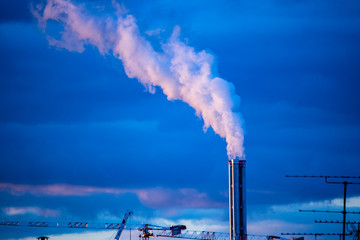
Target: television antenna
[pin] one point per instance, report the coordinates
(345, 180)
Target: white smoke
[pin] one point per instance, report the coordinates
(181, 72)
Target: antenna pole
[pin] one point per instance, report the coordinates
(345, 183)
(344, 212)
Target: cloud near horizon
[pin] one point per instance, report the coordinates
(156, 197)
(336, 203)
(44, 212)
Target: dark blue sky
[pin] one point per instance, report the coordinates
(77, 119)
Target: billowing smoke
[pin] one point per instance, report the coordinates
(181, 72)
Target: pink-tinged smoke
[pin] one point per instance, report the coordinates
(181, 72)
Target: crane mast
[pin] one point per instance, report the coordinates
(123, 224)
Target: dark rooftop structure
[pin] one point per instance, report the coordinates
(43, 238)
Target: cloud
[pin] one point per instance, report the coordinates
(337, 203)
(86, 235)
(56, 190)
(44, 212)
(157, 197)
(274, 227)
(185, 197)
(285, 218)
(352, 202)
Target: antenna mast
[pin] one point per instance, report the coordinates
(334, 180)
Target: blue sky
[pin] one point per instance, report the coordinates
(79, 140)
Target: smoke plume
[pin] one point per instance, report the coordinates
(181, 72)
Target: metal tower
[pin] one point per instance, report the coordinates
(237, 200)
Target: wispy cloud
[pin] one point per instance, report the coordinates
(56, 189)
(352, 202)
(186, 197)
(44, 212)
(274, 227)
(157, 197)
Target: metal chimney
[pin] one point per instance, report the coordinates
(237, 200)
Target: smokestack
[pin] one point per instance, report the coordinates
(237, 200)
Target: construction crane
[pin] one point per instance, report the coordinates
(207, 235)
(176, 232)
(119, 226)
(147, 230)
